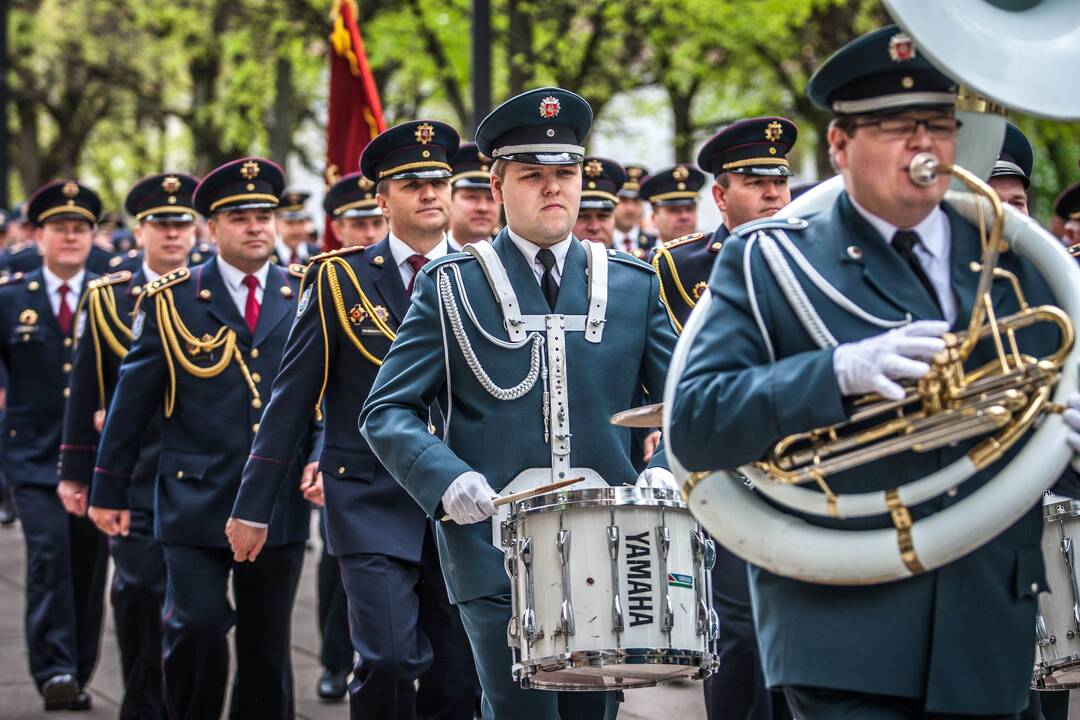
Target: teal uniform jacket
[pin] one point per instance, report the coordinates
(498, 438)
(961, 637)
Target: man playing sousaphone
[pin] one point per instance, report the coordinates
(885, 273)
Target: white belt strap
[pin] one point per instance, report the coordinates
(493, 268)
(598, 290)
(558, 410)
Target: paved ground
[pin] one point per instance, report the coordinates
(19, 699)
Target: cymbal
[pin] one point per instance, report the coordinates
(646, 416)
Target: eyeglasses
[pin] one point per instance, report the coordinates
(900, 127)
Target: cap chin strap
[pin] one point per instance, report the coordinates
(895, 101)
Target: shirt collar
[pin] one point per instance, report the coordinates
(53, 283)
(234, 277)
(401, 252)
(150, 275)
(529, 249)
(931, 229)
(297, 255)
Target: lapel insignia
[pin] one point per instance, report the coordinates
(305, 298)
(699, 288)
(382, 313)
(550, 107)
(28, 316)
(357, 314)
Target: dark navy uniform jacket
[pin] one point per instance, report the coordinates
(38, 358)
(366, 510)
(101, 342)
(684, 265)
(206, 437)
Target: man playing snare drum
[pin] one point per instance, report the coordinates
(531, 380)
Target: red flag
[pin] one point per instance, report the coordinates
(355, 114)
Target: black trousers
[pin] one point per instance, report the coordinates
(404, 629)
(336, 653)
(198, 616)
(1052, 705)
(823, 704)
(66, 563)
(137, 595)
(736, 691)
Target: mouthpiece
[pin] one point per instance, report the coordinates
(923, 169)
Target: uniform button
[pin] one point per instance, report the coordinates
(254, 352)
(1035, 587)
(256, 403)
(255, 428)
(341, 470)
(256, 377)
(67, 392)
(11, 433)
(67, 367)
(68, 342)
(179, 473)
(953, 491)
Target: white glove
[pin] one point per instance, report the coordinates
(872, 364)
(657, 477)
(469, 499)
(1072, 420)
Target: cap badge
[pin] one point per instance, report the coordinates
(424, 134)
(249, 170)
(594, 168)
(774, 131)
(331, 174)
(364, 184)
(70, 189)
(680, 173)
(634, 172)
(549, 107)
(901, 47)
(171, 184)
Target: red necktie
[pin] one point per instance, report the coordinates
(63, 316)
(629, 244)
(415, 262)
(251, 306)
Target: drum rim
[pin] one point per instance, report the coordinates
(611, 496)
(705, 661)
(1061, 509)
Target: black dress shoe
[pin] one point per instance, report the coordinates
(81, 702)
(332, 686)
(58, 692)
(7, 507)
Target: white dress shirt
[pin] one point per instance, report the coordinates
(619, 238)
(299, 255)
(530, 250)
(150, 275)
(402, 252)
(234, 283)
(52, 289)
(933, 251)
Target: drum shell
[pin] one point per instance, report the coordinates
(1057, 645)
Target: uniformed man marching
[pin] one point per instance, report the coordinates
(66, 556)
(748, 160)
(292, 222)
(886, 270)
(629, 236)
(673, 195)
(354, 212)
(474, 214)
(600, 181)
(206, 345)
(484, 347)
(161, 206)
(402, 625)
(1011, 175)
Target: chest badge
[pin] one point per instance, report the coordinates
(28, 316)
(357, 314)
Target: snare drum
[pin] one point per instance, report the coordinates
(611, 590)
(1057, 620)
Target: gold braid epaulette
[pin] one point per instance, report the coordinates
(663, 250)
(173, 330)
(336, 252)
(297, 270)
(104, 323)
(329, 271)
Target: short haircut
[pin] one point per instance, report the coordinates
(383, 187)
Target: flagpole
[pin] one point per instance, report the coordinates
(481, 61)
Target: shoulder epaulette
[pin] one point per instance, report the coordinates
(452, 257)
(110, 279)
(297, 270)
(116, 261)
(684, 240)
(11, 279)
(173, 278)
(627, 259)
(749, 228)
(335, 253)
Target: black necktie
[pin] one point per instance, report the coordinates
(547, 281)
(904, 242)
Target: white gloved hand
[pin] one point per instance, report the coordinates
(657, 477)
(1072, 420)
(469, 499)
(871, 365)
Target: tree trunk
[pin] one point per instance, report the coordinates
(282, 121)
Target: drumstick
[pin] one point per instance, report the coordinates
(532, 492)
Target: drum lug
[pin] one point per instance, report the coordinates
(512, 632)
(617, 622)
(1042, 637)
(663, 542)
(562, 540)
(528, 616)
(1068, 552)
(506, 533)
